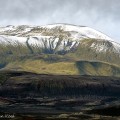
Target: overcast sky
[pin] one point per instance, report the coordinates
(102, 15)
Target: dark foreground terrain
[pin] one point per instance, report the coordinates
(29, 96)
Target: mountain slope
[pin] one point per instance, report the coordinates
(97, 50)
(71, 31)
(55, 38)
(73, 43)
(65, 67)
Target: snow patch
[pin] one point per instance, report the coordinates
(99, 47)
(7, 28)
(80, 31)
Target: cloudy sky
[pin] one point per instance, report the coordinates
(102, 15)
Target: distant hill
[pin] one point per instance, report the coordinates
(59, 49)
(65, 67)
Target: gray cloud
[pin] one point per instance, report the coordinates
(102, 15)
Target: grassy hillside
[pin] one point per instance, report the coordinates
(86, 52)
(84, 60)
(66, 67)
(97, 68)
(83, 52)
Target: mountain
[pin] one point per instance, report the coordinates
(71, 31)
(56, 38)
(58, 71)
(58, 43)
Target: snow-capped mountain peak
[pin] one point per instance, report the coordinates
(79, 31)
(75, 32)
(56, 37)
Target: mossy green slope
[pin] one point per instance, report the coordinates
(66, 68)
